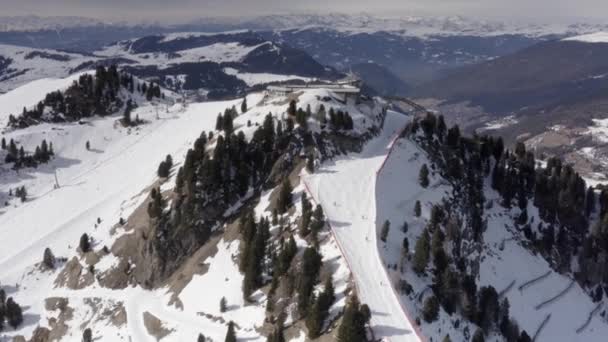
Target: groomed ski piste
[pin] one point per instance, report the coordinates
(346, 188)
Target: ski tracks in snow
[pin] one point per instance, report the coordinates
(346, 189)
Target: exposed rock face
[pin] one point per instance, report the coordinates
(155, 326)
(58, 325)
(74, 276)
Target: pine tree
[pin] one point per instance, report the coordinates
(417, 209)
(319, 220)
(284, 198)
(430, 311)
(87, 145)
(244, 105)
(255, 257)
(13, 312)
(277, 335)
(453, 138)
(85, 245)
(48, 259)
(447, 338)
(310, 164)
(3, 144)
(223, 304)
(423, 177)
(127, 114)
(311, 264)
(201, 338)
(488, 308)
(524, 337)
(405, 247)
(227, 124)
(384, 231)
(421, 253)
(87, 335)
(22, 194)
(478, 336)
(314, 320)
(352, 328)
(288, 252)
(291, 110)
(230, 334)
(219, 122)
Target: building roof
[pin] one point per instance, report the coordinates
(337, 88)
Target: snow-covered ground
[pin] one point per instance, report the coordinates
(598, 37)
(218, 53)
(27, 64)
(503, 260)
(261, 78)
(346, 189)
(105, 182)
(108, 182)
(29, 94)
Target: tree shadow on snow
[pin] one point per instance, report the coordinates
(325, 171)
(385, 330)
(95, 150)
(10, 176)
(339, 224)
(378, 313)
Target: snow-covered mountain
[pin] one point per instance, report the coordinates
(221, 64)
(148, 255)
(298, 213)
(98, 183)
(212, 65)
(21, 65)
(38, 23)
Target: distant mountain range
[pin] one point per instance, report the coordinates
(553, 96)
(213, 65)
(414, 49)
(410, 25)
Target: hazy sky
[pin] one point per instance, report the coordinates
(171, 10)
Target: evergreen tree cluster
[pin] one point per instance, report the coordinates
(338, 120)
(224, 122)
(17, 155)
(90, 95)
(255, 240)
(10, 312)
(164, 168)
(21, 193)
(319, 310)
(211, 180)
(356, 316)
(467, 162)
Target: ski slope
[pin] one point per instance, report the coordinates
(108, 181)
(346, 190)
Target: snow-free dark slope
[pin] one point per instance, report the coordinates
(412, 58)
(380, 79)
(545, 74)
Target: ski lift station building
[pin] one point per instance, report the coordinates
(346, 92)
